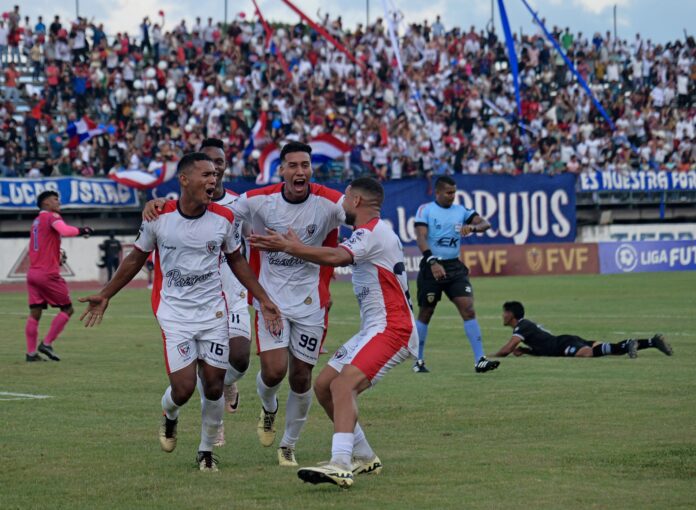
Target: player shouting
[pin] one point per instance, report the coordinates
(299, 288)
(188, 299)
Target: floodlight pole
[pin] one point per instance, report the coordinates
(492, 15)
(77, 8)
(614, 23)
(225, 12)
(367, 14)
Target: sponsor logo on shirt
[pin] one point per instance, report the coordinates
(448, 241)
(165, 247)
(276, 258)
(364, 292)
(357, 236)
(176, 279)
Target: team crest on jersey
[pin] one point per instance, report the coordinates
(534, 259)
(184, 349)
(430, 296)
(308, 301)
(311, 229)
(212, 246)
(341, 353)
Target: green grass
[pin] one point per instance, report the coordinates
(537, 433)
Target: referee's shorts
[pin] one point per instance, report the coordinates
(455, 284)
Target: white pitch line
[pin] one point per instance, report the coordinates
(21, 396)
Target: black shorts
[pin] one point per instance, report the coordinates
(455, 284)
(569, 345)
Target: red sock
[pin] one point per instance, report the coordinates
(56, 328)
(32, 333)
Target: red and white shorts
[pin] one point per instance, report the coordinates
(374, 351)
(46, 289)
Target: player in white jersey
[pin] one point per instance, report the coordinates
(387, 333)
(300, 289)
(235, 292)
(188, 298)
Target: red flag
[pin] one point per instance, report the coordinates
(324, 33)
(269, 36)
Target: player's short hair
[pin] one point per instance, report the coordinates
(370, 186)
(189, 160)
(444, 181)
(44, 195)
(294, 147)
(515, 307)
(212, 142)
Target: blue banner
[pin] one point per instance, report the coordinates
(521, 209)
(75, 192)
(637, 181)
(647, 257)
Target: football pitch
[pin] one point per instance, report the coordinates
(537, 433)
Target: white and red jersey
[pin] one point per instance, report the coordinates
(230, 284)
(299, 288)
(188, 286)
(380, 282)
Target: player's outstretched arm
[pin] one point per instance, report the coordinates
(508, 348)
(153, 208)
(292, 245)
(246, 277)
(97, 303)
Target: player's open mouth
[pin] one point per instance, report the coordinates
(299, 183)
(210, 192)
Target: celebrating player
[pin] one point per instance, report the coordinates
(387, 333)
(44, 283)
(439, 227)
(540, 342)
(235, 293)
(187, 297)
(299, 288)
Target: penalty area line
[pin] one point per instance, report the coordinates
(8, 395)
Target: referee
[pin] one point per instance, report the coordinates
(439, 227)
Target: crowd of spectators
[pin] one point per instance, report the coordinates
(158, 93)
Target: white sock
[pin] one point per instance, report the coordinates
(361, 448)
(211, 419)
(233, 375)
(296, 411)
(342, 448)
(168, 406)
(267, 394)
